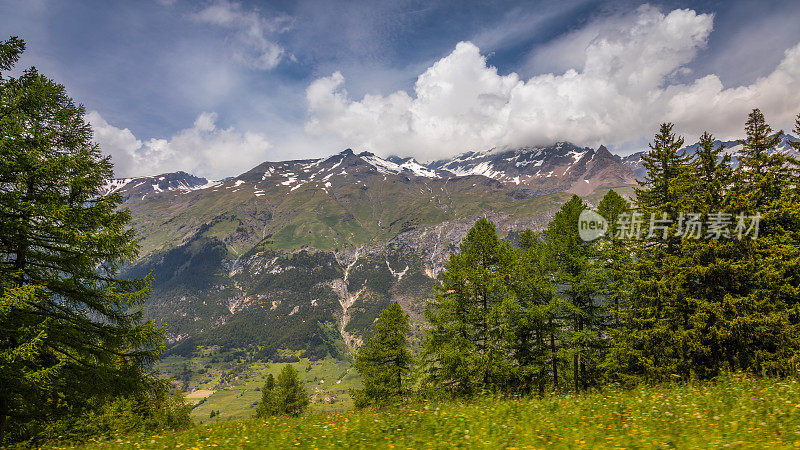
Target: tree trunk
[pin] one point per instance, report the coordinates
(576, 357)
(553, 355)
(486, 353)
(575, 377)
(540, 375)
(3, 418)
(584, 381)
(399, 378)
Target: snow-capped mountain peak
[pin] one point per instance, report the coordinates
(176, 181)
(530, 170)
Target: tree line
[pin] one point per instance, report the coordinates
(710, 285)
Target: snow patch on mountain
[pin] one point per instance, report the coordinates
(177, 181)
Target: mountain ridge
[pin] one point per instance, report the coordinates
(492, 163)
(301, 256)
(558, 167)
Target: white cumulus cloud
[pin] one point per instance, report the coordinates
(204, 149)
(623, 85)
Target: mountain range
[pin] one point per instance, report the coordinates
(299, 257)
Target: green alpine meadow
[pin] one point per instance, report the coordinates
(737, 412)
(418, 225)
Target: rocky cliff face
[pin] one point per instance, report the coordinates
(562, 167)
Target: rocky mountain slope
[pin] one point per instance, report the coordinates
(562, 167)
(301, 256)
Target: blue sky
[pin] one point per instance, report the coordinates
(215, 87)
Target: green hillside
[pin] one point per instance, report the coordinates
(238, 270)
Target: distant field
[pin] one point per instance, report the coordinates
(218, 381)
(735, 413)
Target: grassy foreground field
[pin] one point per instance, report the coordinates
(735, 412)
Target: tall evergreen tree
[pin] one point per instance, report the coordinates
(385, 360)
(575, 262)
(289, 395)
(722, 304)
(530, 315)
(666, 165)
(268, 406)
(698, 284)
(613, 263)
(763, 172)
(755, 152)
(647, 342)
(793, 144)
(764, 299)
(10, 51)
(464, 351)
(711, 176)
(66, 316)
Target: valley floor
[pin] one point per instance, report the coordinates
(230, 385)
(734, 412)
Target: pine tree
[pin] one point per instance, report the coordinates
(763, 172)
(463, 351)
(576, 263)
(764, 299)
(648, 344)
(712, 174)
(66, 316)
(385, 360)
(613, 255)
(793, 144)
(529, 315)
(744, 292)
(290, 397)
(698, 282)
(721, 304)
(10, 51)
(268, 406)
(666, 164)
(756, 147)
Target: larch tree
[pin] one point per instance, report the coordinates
(613, 262)
(267, 407)
(289, 396)
(65, 316)
(464, 346)
(385, 361)
(530, 314)
(575, 262)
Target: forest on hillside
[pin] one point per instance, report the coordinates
(696, 278)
